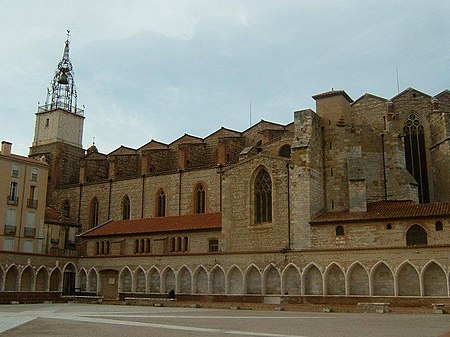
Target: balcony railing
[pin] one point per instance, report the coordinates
(32, 203)
(29, 232)
(10, 230)
(60, 105)
(12, 200)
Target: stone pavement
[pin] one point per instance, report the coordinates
(48, 320)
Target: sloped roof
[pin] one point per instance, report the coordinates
(333, 93)
(52, 215)
(384, 210)
(192, 222)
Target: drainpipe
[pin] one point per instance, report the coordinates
(142, 197)
(384, 167)
(79, 202)
(180, 171)
(288, 205)
(109, 198)
(220, 187)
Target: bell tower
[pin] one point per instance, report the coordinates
(58, 132)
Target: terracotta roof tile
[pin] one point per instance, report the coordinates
(158, 225)
(51, 214)
(387, 210)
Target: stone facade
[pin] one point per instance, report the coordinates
(298, 206)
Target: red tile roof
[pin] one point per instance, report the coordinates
(383, 210)
(52, 215)
(191, 222)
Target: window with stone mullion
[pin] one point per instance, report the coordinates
(263, 197)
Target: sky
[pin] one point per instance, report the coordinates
(159, 69)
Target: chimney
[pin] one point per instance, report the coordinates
(6, 148)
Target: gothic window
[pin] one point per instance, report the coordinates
(94, 212)
(416, 236)
(339, 231)
(161, 203)
(126, 208)
(263, 197)
(415, 155)
(66, 209)
(285, 151)
(200, 195)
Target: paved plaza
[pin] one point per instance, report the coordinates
(45, 320)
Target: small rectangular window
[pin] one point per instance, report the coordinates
(47, 122)
(34, 174)
(213, 245)
(8, 244)
(15, 171)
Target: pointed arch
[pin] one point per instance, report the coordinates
(434, 280)
(154, 280)
(235, 281)
(184, 277)
(125, 280)
(12, 278)
(358, 280)
(382, 280)
(312, 280)
(272, 280)
(334, 280)
(55, 279)
(262, 196)
(200, 198)
(140, 280)
(69, 278)
(416, 236)
(200, 280)
(217, 280)
(93, 279)
(66, 209)
(160, 208)
(2, 273)
(168, 280)
(408, 282)
(253, 280)
(93, 212)
(82, 280)
(416, 154)
(291, 280)
(126, 207)
(27, 279)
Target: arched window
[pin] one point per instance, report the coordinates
(161, 203)
(415, 155)
(66, 209)
(200, 195)
(339, 231)
(263, 197)
(126, 208)
(416, 236)
(285, 151)
(94, 212)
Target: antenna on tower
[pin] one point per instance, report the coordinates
(250, 111)
(398, 84)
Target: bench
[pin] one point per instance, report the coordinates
(379, 308)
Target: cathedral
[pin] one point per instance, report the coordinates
(349, 201)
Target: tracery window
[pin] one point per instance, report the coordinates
(161, 203)
(415, 155)
(200, 195)
(126, 208)
(263, 197)
(94, 212)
